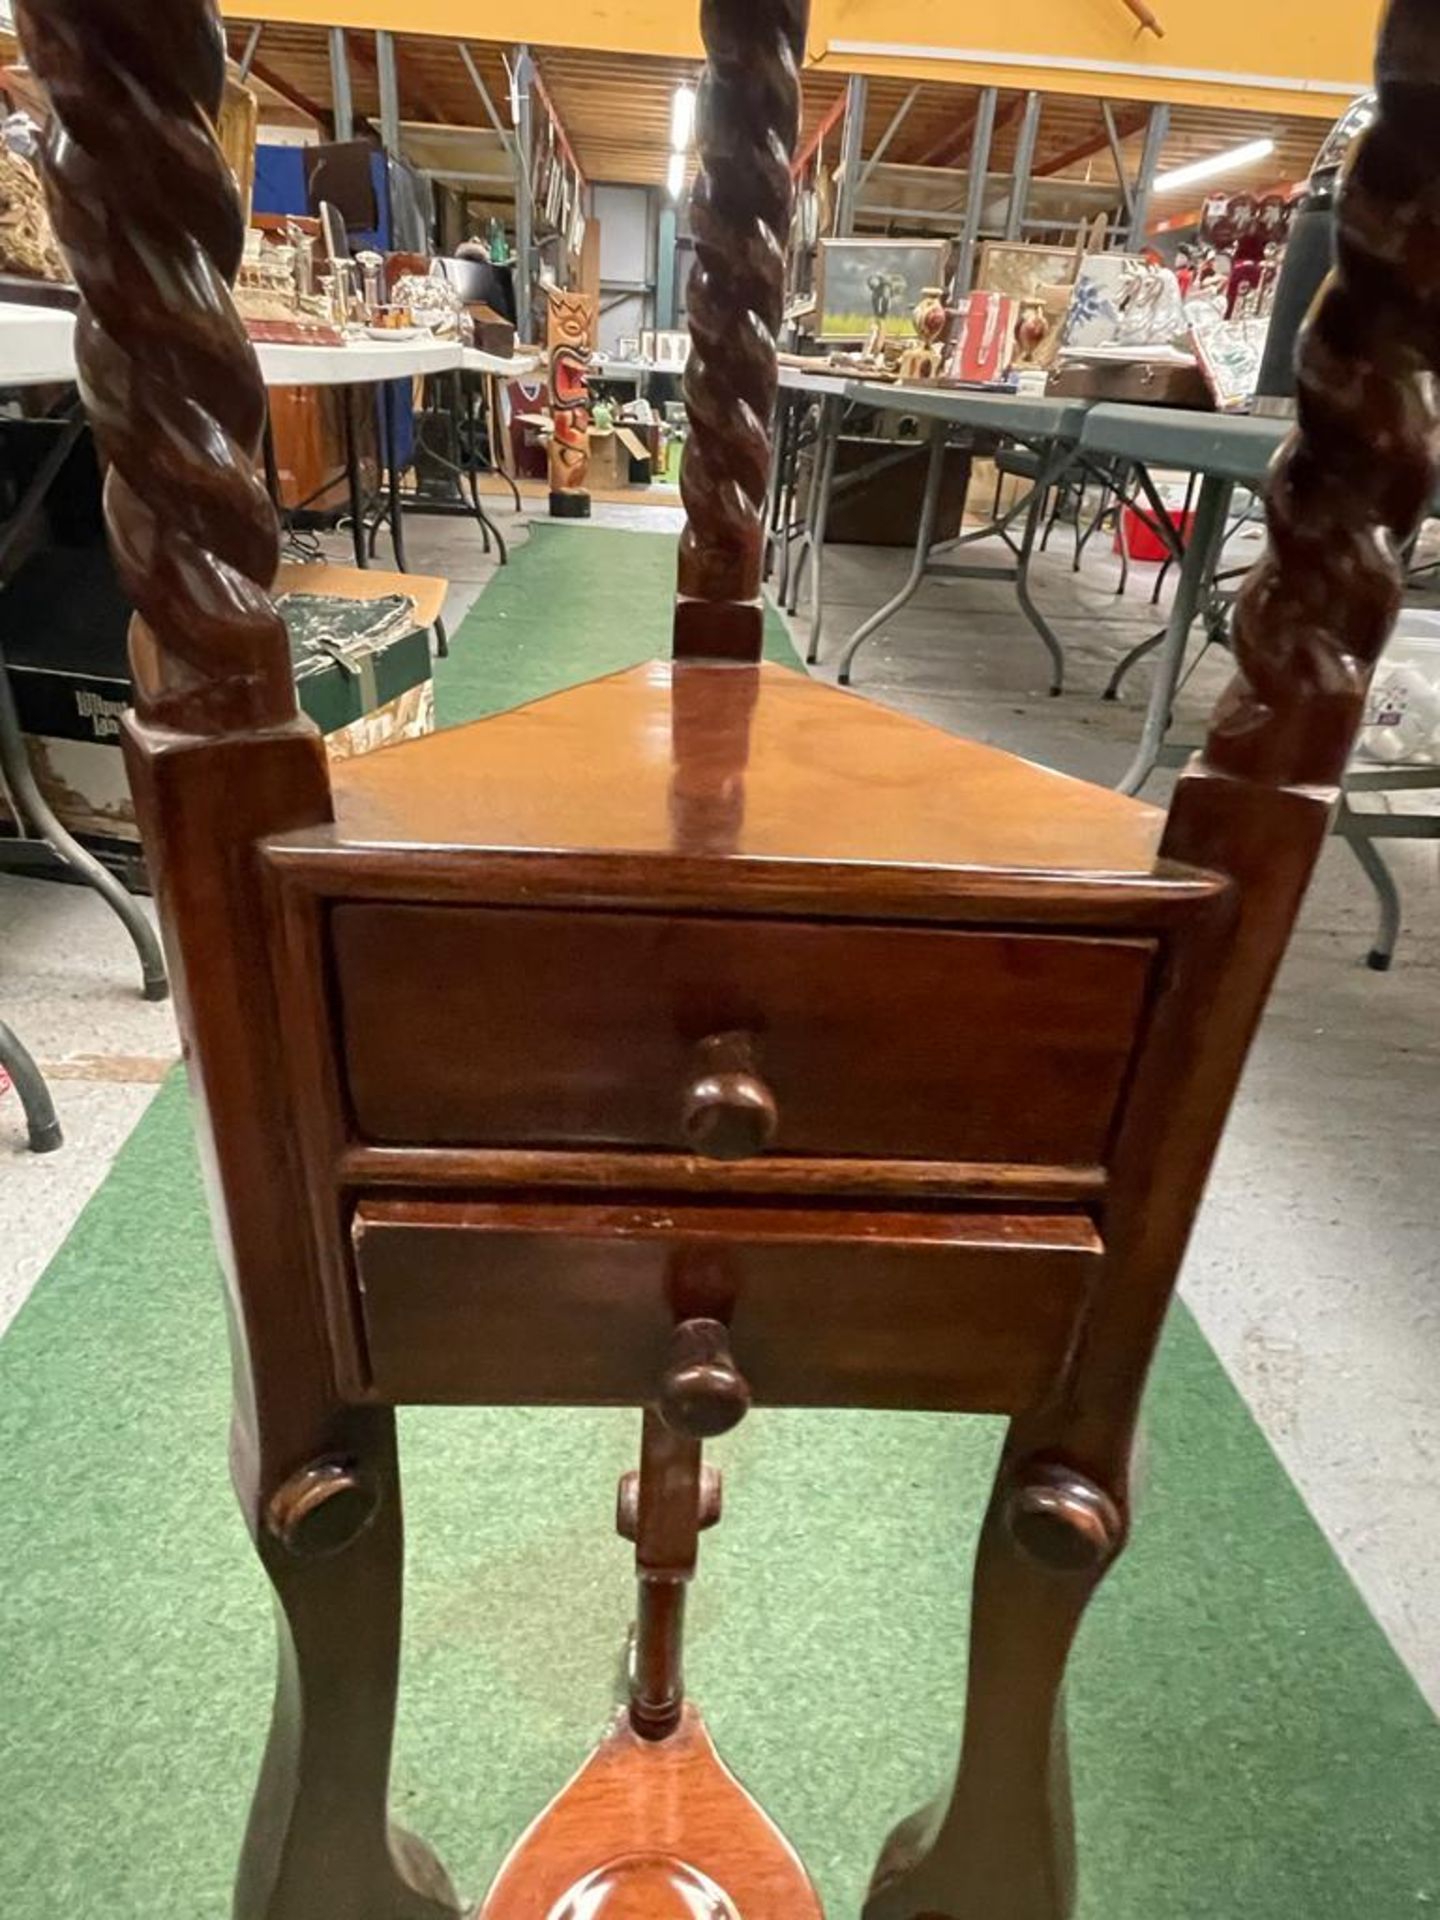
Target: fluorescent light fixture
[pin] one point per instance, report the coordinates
(1225, 162)
(675, 178)
(682, 118)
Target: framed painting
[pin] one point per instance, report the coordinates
(1023, 270)
(860, 284)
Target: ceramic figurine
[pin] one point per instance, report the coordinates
(1031, 332)
(930, 316)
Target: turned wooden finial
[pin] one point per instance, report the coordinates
(1352, 481)
(148, 215)
(747, 118)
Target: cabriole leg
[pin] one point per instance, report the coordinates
(1002, 1848)
(319, 1839)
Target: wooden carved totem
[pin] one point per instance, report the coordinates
(569, 324)
(702, 1036)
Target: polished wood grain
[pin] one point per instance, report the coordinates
(822, 775)
(1256, 806)
(950, 1040)
(308, 862)
(218, 758)
(664, 1507)
(145, 207)
(573, 1304)
(728, 1109)
(652, 1830)
(816, 1179)
(747, 117)
(476, 1026)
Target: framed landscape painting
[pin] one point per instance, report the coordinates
(861, 282)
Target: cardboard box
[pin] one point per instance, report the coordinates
(987, 485)
(883, 509)
(618, 459)
(64, 623)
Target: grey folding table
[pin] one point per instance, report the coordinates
(1226, 451)
(1051, 428)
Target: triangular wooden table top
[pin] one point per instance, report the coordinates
(758, 764)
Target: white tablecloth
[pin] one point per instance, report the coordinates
(37, 348)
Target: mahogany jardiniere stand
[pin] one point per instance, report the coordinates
(703, 1036)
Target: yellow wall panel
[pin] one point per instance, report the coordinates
(670, 27)
(1295, 57)
(1299, 56)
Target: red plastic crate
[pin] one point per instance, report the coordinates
(1141, 539)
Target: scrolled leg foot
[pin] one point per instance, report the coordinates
(320, 1839)
(1001, 1845)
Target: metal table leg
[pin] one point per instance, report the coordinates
(492, 430)
(396, 508)
(392, 475)
(1206, 538)
(462, 405)
(1051, 472)
(789, 474)
(29, 1083)
(1056, 459)
(18, 777)
(272, 467)
(1377, 872)
(1000, 525)
(352, 478)
(924, 535)
(1160, 521)
(1169, 559)
(488, 527)
(826, 454)
(467, 503)
(784, 408)
(1132, 659)
(805, 546)
(1121, 538)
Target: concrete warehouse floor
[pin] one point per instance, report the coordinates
(1313, 1270)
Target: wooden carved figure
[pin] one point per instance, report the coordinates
(569, 324)
(589, 1055)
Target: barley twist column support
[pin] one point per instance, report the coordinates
(1355, 477)
(747, 120)
(147, 213)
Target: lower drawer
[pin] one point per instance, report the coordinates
(505, 1304)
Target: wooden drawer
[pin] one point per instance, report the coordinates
(517, 1304)
(509, 1027)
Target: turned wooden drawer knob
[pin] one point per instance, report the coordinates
(703, 1392)
(729, 1112)
(1064, 1520)
(323, 1508)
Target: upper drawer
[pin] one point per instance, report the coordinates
(487, 1026)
